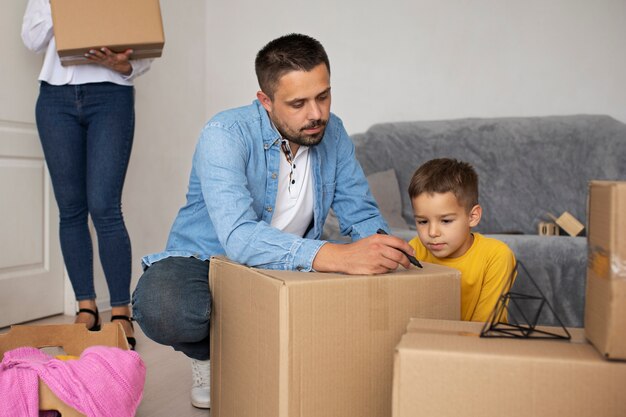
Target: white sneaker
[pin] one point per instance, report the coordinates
(201, 388)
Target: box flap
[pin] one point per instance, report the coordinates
(73, 338)
(246, 317)
(461, 337)
(297, 277)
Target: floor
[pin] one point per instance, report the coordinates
(168, 376)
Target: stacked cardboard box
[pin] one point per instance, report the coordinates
(286, 343)
(444, 369)
(72, 338)
(605, 302)
(119, 25)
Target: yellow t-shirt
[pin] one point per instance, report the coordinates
(485, 269)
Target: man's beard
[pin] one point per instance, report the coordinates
(301, 138)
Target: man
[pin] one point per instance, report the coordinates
(263, 179)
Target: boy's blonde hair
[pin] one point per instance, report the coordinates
(446, 175)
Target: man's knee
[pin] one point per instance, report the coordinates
(167, 306)
(152, 307)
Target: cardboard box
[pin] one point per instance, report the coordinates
(605, 302)
(570, 224)
(286, 343)
(444, 369)
(72, 338)
(81, 25)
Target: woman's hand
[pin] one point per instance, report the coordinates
(107, 58)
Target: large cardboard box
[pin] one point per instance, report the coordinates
(81, 25)
(286, 343)
(72, 338)
(605, 302)
(444, 369)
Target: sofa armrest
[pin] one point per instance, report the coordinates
(558, 265)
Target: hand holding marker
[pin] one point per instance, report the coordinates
(411, 258)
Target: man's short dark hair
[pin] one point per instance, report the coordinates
(293, 52)
(446, 175)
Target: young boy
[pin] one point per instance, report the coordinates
(444, 196)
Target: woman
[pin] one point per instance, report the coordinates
(85, 118)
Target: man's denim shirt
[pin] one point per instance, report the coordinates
(232, 192)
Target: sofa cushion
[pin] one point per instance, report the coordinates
(558, 267)
(385, 190)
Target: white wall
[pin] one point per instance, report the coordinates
(434, 59)
(170, 111)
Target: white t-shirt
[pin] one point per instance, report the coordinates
(293, 211)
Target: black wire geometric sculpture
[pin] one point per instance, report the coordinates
(495, 327)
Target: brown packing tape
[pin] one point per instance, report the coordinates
(606, 265)
(598, 262)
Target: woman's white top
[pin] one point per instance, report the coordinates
(38, 36)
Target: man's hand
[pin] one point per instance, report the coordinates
(107, 58)
(376, 254)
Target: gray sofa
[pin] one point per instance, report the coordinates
(528, 167)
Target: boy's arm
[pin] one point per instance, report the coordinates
(497, 274)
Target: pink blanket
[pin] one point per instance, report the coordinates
(104, 382)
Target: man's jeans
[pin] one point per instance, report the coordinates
(172, 304)
(86, 132)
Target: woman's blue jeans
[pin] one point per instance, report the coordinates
(172, 304)
(87, 134)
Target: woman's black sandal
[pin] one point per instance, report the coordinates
(96, 325)
(132, 342)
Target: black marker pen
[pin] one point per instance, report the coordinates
(411, 258)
